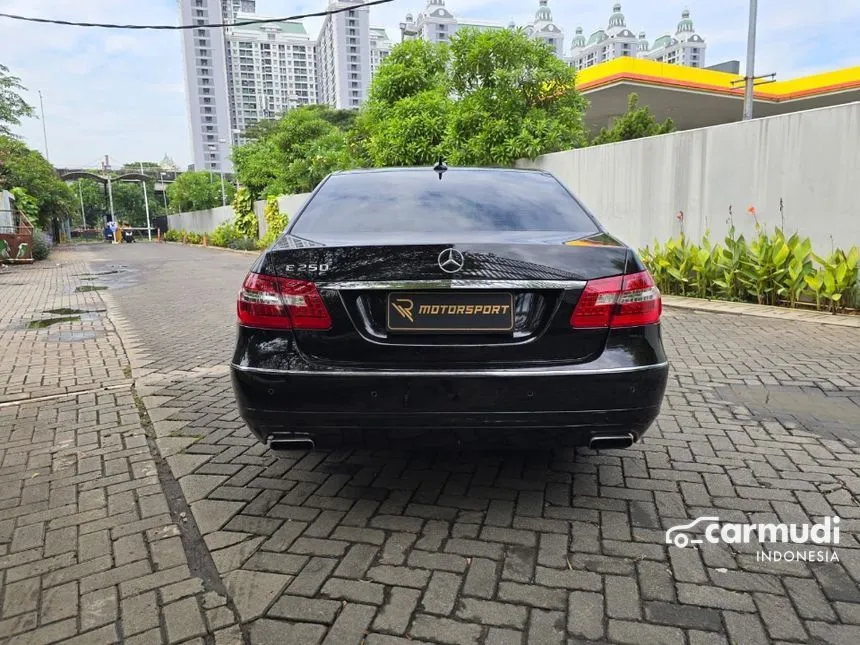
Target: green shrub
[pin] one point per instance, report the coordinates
(193, 238)
(769, 269)
(276, 222)
(244, 244)
(173, 235)
(41, 249)
(224, 234)
(246, 219)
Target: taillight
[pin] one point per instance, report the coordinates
(269, 302)
(621, 301)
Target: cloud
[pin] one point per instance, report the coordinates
(122, 92)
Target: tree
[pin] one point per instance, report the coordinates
(95, 201)
(12, 107)
(406, 117)
(21, 167)
(636, 123)
(195, 191)
(507, 108)
(491, 98)
(293, 154)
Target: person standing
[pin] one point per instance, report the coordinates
(114, 231)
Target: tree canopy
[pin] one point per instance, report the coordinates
(636, 123)
(24, 168)
(294, 153)
(12, 107)
(487, 99)
(194, 191)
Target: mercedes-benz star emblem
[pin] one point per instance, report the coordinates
(451, 260)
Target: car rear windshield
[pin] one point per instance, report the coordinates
(417, 201)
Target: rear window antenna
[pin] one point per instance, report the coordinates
(441, 167)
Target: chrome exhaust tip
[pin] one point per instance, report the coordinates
(290, 443)
(611, 442)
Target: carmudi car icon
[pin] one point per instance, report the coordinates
(676, 535)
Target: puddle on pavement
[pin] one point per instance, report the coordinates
(90, 287)
(65, 311)
(47, 322)
(92, 276)
(821, 413)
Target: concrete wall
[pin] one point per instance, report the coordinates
(809, 161)
(200, 221)
(208, 220)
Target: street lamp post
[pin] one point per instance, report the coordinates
(164, 193)
(750, 75)
(146, 204)
(218, 148)
(81, 194)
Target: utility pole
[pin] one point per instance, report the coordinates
(106, 167)
(221, 142)
(44, 126)
(750, 77)
(81, 193)
(146, 203)
(164, 192)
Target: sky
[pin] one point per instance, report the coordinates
(121, 93)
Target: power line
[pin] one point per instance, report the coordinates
(239, 23)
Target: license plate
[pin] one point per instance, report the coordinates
(452, 313)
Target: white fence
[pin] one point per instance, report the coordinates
(207, 221)
(808, 162)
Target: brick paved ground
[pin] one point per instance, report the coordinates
(760, 424)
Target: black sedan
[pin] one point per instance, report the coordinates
(467, 307)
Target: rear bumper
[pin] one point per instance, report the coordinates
(527, 407)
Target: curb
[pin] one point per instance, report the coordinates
(216, 248)
(761, 311)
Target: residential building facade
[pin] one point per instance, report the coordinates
(206, 83)
(343, 55)
(686, 47)
(271, 68)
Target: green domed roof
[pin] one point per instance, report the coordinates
(544, 13)
(597, 36)
(686, 24)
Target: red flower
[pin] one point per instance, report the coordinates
(751, 210)
(680, 216)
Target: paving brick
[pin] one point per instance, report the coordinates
(532, 595)
(353, 591)
(140, 613)
(129, 549)
(60, 602)
(312, 577)
(686, 616)
(746, 628)
(441, 593)
(98, 608)
(623, 631)
(585, 615)
(546, 627)
(351, 625)
(487, 612)
(779, 617)
(703, 596)
(117, 575)
(622, 597)
(305, 610)
(357, 561)
(399, 576)
(395, 615)
(444, 561)
(445, 630)
(182, 620)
